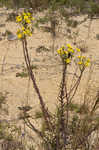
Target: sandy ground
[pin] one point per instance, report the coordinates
(48, 75)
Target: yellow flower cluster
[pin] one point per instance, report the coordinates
(67, 53)
(18, 19)
(25, 20)
(24, 31)
(83, 62)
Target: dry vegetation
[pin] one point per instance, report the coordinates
(45, 102)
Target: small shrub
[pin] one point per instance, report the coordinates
(97, 36)
(72, 23)
(38, 114)
(11, 17)
(71, 126)
(22, 74)
(43, 20)
(42, 49)
(8, 32)
(3, 100)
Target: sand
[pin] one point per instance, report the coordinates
(48, 72)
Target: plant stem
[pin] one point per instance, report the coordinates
(27, 61)
(75, 87)
(61, 99)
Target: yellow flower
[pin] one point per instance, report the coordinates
(32, 18)
(65, 52)
(70, 50)
(68, 60)
(18, 19)
(87, 64)
(80, 63)
(28, 32)
(69, 46)
(79, 57)
(24, 32)
(25, 17)
(18, 31)
(24, 14)
(78, 50)
(29, 14)
(88, 60)
(59, 51)
(62, 52)
(28, 21)
(20, 35)
(23, 28)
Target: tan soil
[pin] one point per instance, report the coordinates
(48, 74)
